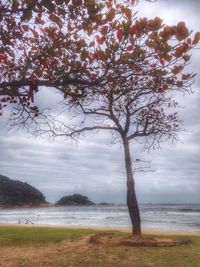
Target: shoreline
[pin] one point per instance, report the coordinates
(122, 229)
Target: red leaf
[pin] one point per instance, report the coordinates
(181, 26)
(132, 40)
(32, 78)
(104, 30)
(138, 32)
(128, 13)
(196, 38)
(132, 30)
(2, 57)
(162, 62)
(111, 14)
(185, 76)
(100, 40)
(181, 31)
(180, 50)
(120, 34)
(130, 48)
(39, 20)
(25, 28)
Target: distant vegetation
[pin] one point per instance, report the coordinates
(14, 194)
(18, 194)
(75, 199)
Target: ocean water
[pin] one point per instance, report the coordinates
(160, 217)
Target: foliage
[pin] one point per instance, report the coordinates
(75, 199)
(18, 194)
(43, 43)
(77, 45)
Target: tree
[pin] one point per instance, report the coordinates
(136, 101)
(116, 72)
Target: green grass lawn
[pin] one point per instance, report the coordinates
(43, 246)
(18, 236)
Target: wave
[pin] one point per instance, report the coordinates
(189, 210)
(184, 217)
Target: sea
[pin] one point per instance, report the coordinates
(156, 217)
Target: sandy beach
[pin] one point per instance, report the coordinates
(122, 229)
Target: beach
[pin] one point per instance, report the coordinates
(121, 229)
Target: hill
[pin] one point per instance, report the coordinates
(75, 199)
(14, 193)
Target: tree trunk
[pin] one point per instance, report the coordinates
(131, 195)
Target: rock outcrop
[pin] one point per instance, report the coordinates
(18, 194)
(75, 199)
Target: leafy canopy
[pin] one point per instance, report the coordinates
(78, 47)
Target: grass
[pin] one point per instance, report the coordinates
(62, 247)
(19, 236)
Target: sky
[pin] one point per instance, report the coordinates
(93, 166)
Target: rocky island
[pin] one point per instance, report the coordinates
(75, 199)
(15, 194)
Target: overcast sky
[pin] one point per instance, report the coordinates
(95, 168)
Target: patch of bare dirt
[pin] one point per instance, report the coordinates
(48, 255)
(136, 241)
